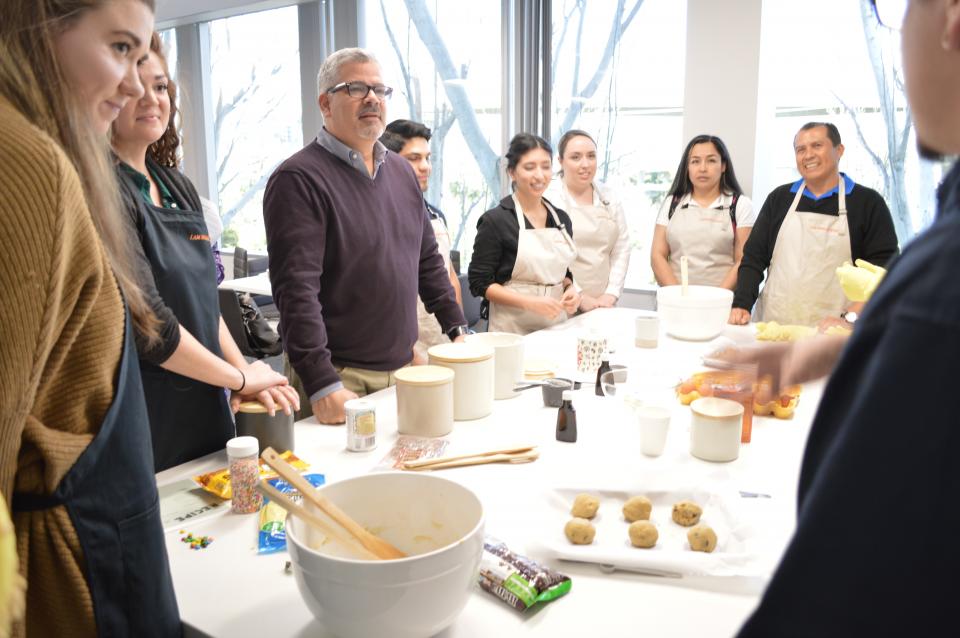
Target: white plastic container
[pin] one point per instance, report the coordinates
(698, 316)
(715, 429)
(507, 360)
(474, 378)
(424, 400)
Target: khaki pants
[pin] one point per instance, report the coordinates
(358, 380)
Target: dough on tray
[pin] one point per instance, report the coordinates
(643, 534)
(702, 538)
(585, 506)
(686, 513)
(579, 531)
(637, 508)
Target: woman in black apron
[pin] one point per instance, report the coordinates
(75, 461)
(185, 373)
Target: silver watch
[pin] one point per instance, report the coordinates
(849, 316)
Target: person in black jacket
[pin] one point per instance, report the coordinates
(873, 553)
(185, 372)
(807, 229)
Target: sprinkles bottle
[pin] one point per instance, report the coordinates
(242, 453)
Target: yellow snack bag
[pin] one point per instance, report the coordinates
(218, 481)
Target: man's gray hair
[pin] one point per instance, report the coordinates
(329, 74)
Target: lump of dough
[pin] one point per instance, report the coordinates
(702, 538)
(686, 513)
(637, 508)
(579, 531)
(644, 534)
(585, 506)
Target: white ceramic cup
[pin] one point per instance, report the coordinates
(647, 331)
(654, 423)
(715, 429)
(507, 360)
(590, 348)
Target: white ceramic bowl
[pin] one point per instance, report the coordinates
(437, 522)
(698, 316)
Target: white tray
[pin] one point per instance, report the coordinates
(611, 548)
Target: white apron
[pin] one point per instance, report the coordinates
(543, 257)
(597, 234)
(802, 286)
(431, 333)
(705, 236)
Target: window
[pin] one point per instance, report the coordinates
(619, 76)
(443, 61)
(829, 61)
(255, 78)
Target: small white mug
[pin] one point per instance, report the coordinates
(654, 423)
(647, 331)
(590, 348)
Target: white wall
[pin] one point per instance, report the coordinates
(173, 13)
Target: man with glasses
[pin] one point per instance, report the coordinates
(351, 247)
(874, 552)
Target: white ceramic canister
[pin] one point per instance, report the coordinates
(507, 360)
(715, 429)
(473, 383)
(424, 400)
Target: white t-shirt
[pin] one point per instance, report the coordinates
(746, 215)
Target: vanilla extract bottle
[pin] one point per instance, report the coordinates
(567, 419)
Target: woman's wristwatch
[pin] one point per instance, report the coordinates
(849, 316)
(458, 331)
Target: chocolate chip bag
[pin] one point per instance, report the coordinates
(517, 580)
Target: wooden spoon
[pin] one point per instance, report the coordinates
(525, 457)
(378, 546)
(413, 465)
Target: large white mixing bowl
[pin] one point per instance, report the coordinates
(699, 315)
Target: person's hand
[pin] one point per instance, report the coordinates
(829, 322)
(418, 360)
(788, 363)
(570, 300)
(606, 301)
(739, 317)
(545, 306)
(267, 386)
(329, 410)
(588, 303)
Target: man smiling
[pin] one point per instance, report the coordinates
(351, 246)
(804, 231)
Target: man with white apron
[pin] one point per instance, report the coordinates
(543, 257)
(603, 250)
(706, 237)
(802, 236)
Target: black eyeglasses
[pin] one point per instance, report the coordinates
(360, 90)
(890, 13)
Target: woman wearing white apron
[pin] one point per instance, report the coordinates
(603, 239)
(524, 248)
(705, 218)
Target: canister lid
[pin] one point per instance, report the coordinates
(460, 352)
(424, 375)
(243, 446)
(538, 369)
(716, 408)
(252, 407)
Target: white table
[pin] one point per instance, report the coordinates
(228, 590)
(255, 285)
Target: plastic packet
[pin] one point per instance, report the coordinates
(272, 534)
(218, 481)
(519, 581)
(411, 448)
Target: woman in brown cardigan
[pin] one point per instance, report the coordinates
(75, 459)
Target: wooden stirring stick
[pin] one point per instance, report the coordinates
(526, 457)
(412, 465)
(379, 547)
(310, 518)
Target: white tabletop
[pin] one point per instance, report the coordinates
(256, 285)
(227, 589)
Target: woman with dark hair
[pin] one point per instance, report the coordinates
(603, 239)
(185, 373)
(524, 248)
(705, 218)
(75, 458)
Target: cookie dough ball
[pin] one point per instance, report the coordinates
(686, 513)
(579, 531)
(702, 538)
(585, 506)
(644, 534)
(637, 508)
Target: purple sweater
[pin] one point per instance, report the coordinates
(348, 256)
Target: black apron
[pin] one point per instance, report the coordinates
(188, 418)
(111, 496)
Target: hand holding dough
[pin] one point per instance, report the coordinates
(859, 282)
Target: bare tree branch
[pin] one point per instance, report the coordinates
(249, 194)
(559, 41)
(414, 111)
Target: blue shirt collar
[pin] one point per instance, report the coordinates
(349, 155)
(847, 181)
